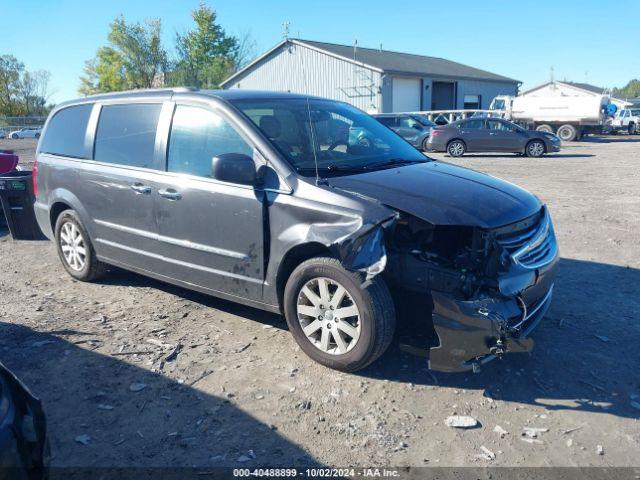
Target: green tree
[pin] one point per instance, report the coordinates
(206, 55)
(134, 58)
(630, 90)
(22, 92)
(104, 73)
(11, 71)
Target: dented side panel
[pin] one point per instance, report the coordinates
(352, 231)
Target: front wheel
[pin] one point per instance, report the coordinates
(15, 136)
(456, 148)
(75, 248)
(338, 319)
(535, 149)
(632, 129)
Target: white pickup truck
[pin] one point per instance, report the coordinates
(627, 119)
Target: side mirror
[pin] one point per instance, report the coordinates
(234, 168)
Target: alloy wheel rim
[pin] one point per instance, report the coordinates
(536, 149)
(455, 149)
(329, 316)
(73, 247)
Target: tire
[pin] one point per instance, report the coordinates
(567, 133)
(37, 135)
(68, 225)
(15, 136)
(535, 148)
(544, 128)
(374, 324)
(424, 147)
(456, 148)
(632, 129)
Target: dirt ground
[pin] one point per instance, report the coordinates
(241, 393)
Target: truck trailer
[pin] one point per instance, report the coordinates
(562, 108)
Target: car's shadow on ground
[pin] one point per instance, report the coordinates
(104, 411)
(586, 347)
(612, 139)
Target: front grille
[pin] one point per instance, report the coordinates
(530, 242)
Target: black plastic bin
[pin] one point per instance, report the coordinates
(16, 196)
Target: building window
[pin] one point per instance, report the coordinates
(472, 102)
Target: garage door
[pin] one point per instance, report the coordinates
(406, 94)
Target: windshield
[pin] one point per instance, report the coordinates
(498, 104)
(341, 138)
(424, 120)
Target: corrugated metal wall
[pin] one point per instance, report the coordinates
(298, 69)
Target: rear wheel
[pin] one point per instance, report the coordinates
(544, 128)
(456, 148)
(337, 318)
(425, 146)
(567, 133)
(15, 136)
(75, 248)
(37, 135)
(535, 148)
(632, 129)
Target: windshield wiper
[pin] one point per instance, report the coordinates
(395, 161)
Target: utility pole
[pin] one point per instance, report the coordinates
(285, 29)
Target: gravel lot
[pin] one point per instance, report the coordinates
(240, 393)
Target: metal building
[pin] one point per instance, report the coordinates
(374, 80)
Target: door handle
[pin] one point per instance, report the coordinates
(140, 188)
(492, 133)
(170, 194)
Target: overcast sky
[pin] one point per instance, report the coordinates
(585, 41)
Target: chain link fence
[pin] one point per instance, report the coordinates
(9, 124)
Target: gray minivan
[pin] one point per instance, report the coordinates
(299, 205)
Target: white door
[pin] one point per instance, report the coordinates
(406, 94)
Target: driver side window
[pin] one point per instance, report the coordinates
(198, 135)
(497, 125)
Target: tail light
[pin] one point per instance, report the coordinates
(435, 132)
(34, 178)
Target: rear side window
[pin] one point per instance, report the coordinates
(198, 135)
(473, 124)
(126, 134)
(66, 131)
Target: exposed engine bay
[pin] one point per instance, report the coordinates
(487, 288)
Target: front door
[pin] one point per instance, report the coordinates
(503, 137)
(211, 232)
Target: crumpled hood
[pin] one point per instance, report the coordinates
(444, 194)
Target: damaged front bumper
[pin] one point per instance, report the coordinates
(473, 332)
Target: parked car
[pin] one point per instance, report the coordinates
(414, 128)
(3, 134)
(26, 132)
(491, 135)
(24, 450)
(627, 119)
(267, 199)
